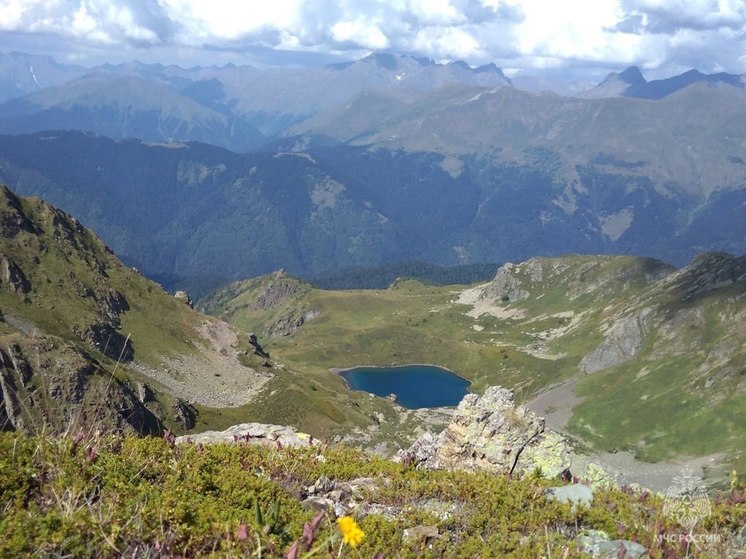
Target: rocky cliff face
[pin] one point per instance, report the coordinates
(622, 342)
(491, 433)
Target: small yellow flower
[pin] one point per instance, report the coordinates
(352, 535)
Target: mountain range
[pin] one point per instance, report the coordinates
(384, 159)
(631, 83)
(238, 106)
(225, 106)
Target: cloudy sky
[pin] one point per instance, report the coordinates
(662, 36)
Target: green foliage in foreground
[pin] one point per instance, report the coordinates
(144, 497)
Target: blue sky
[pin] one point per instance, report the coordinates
(662, 36)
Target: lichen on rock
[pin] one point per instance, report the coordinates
(491, 433)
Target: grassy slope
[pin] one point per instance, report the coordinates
(408, 323)
(115, 496)
(660, 413)
(685, 394)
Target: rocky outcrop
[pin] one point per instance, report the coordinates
(113, 303)
(510, 284)
(49, 385)
(184, 297)
(144, 393)
(622, 343)
(277, 289)
(107, 340)
(258, 349)
(12, 277)
(491, 433)
(707, 272)
(289, 324)
(256, 433)
(185, 414)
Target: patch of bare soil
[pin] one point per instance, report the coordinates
(475, 298)
(555, 404)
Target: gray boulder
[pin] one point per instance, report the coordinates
(577, 495)
(598, 544)
(256, 433)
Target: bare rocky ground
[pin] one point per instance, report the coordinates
(214, 377)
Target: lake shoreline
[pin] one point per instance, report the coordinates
(340, 370)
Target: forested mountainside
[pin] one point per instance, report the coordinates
(195, 215)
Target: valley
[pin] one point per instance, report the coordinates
(618, 331)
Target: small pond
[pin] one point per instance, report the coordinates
(415, 386)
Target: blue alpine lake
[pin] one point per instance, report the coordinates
(415, 386)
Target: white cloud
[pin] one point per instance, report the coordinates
(361, 32)
(456, 42)
(228, 19)
(654, 33)
(435, 12)
(82, 23)
(689, 13)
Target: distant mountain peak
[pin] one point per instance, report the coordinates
(461, 64)
(692, 73)
(384, 60)
(632, 76)
(406, 63)
(491, 67)
(631, 83)
(391, 61)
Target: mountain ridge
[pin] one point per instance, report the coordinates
(124, 107)
(631, 83)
